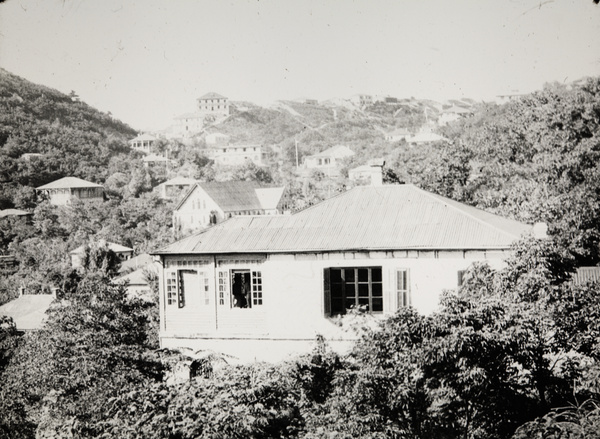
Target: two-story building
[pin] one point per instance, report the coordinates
(143, 143)
(263, 287)
(207, 204)
(235, 155)
(213, 103)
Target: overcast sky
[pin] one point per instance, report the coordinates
(148, 60)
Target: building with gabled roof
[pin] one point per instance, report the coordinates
(62, 191)
(213, 103)
(123, 253)
(174, 187)
(28, 311)
(328, 161)
(207, 204)
(260, 287)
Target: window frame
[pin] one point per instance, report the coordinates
(225, 282)
(354, 280)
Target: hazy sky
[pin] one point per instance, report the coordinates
(148, 60)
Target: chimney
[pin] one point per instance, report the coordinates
(377, 172)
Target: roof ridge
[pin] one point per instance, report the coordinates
(470, 215)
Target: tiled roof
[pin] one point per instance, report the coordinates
(232, 196)
(395, 217)
(212, 95)
(68, 183)
(28, 311)
(586, 274)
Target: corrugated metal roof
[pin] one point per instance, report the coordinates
(586, 274)
(179, 181)
(234, 196)
(143, 137)
(68, 183)
(28, 311)
(391, 217)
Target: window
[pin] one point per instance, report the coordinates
(346, 288)
(241, 288)
(402, 288)
(181, 283)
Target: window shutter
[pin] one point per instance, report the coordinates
(180, 289)
(402, 288)
(223, 287)
(327, 292)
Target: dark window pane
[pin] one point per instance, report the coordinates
(350, 290)
(377, 304)
(349, 274)
(363, 301)
(336, 275)
(363, 274)
(377, 289)
(337, 306)
(376, 274)
(363, 290)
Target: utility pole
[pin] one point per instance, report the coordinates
(296, 144)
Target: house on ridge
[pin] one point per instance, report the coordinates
(143, 143)
(328, 161)
(62, 191)
(174, 187)
(211, 203)
(263, 287)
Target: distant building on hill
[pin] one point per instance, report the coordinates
(210, 108)
(174, 187)
(397, 135)
(123, 253)
(207, 204)
(217, 139)
(143, 143)
(370, 173)
(61, 192)
(234, 155)
(362, 100)
(28, 311)
(328, 161)
(453, 113)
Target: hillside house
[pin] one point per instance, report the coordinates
(143, 143)
(425, 137)
(397, 135)
(61, 192)
(453, 113)
(213, 103)
(328, 161)
(136, 282)
(262, 287)
(15, 213)
(217, 139)
(362, 100)
(28, 311)
(207, 204)
(155, 160)
(234, 155)
(123, 253)
(174, 187)
(370, 173)
(188, 123)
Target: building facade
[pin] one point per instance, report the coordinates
(266, 287)
(62, 192)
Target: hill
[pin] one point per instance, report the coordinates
(72, 138)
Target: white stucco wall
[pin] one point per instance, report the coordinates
(292, 314)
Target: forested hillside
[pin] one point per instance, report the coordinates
(73, 138)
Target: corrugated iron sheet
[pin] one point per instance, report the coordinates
(371, 218)
(69, 182)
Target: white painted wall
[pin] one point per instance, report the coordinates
(292, 314)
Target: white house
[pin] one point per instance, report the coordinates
(143, 143)
(234, 155)
(397, 135)
(62, 191)
(328, 161)
(174, 187)
(123, 253)
(262, 287)
(207, 204)
(213, 103)
(453, 113)
(217, 139)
